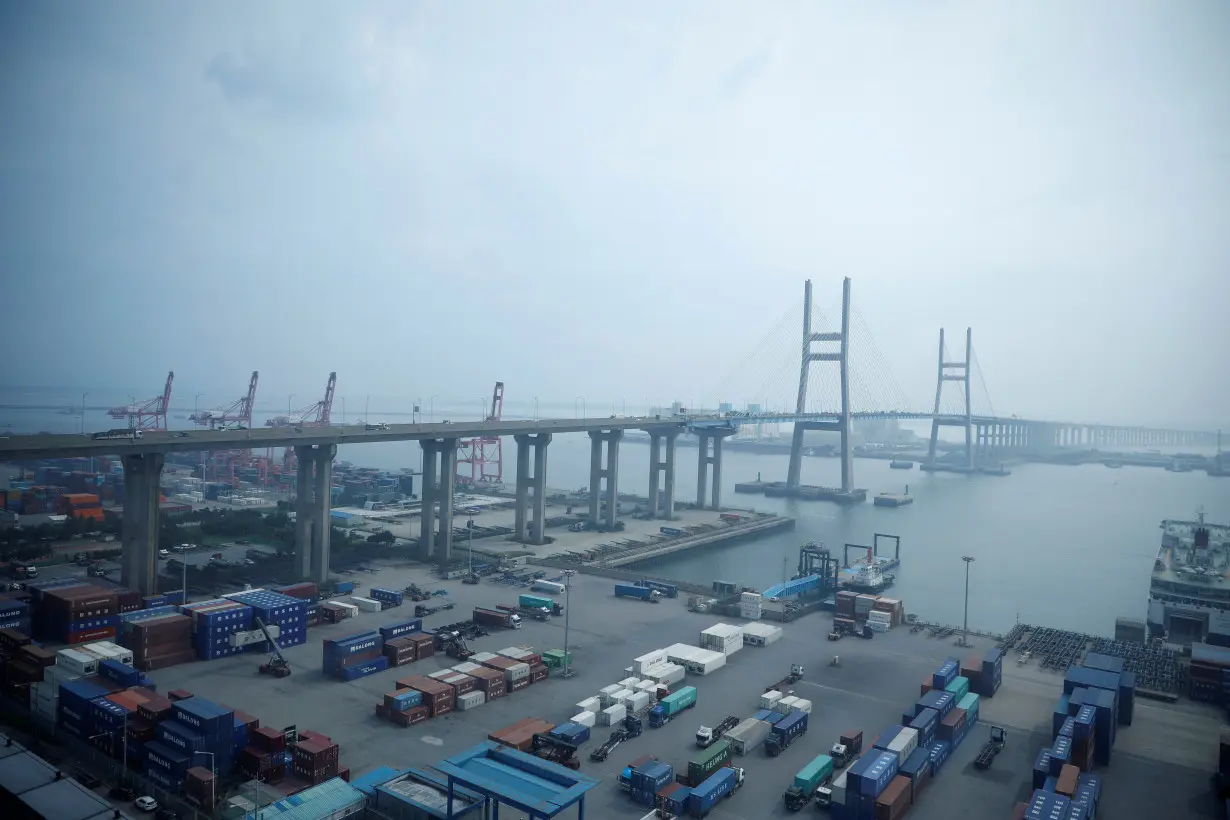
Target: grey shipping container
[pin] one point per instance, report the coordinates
(748, 735)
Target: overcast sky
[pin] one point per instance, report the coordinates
(617, 200)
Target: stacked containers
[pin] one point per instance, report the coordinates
(866, 780)
(646, 780)
(14, 615)
(863, 605)
(401, 629)
(953, 727)
(287, 613)
(158, 641)
(199, 725)
(516, 673)
(213, 623)
(78, 614)
(758, 634)
(970, 704)
(894, 800)
(74, 711)
(403, 707)
(925, 723)
(917, 768)
(166, 765)
(992, 673)
(844, 607)
(314, 761)
(305, 591)
(201, 786)
(354, 656)
(438, 697)
(724, 638)
(750, 606)
(959, 687)
(945, 674)
(940, 701)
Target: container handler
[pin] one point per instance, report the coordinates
(277, 665)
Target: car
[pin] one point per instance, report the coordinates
(248, 562)
(164, 554)
(181, 434)
(166, 814)
(298, 429)
(380, 426)
(124, 793)
(146, 803)
(86, 779)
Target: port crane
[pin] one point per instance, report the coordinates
(276, 665)
(314, 415)
(483, 454)
(237, 415)
(150, 414)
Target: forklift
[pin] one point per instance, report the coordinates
(276, 666)
(556, 750)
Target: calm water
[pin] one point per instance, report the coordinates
(1062, 546)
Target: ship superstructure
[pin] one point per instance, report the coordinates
(1189, 593)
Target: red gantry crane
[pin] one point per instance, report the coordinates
(483, 454)
(146, 415)
(236, 416)
(315, 415)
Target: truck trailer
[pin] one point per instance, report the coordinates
(494, 617)
(811, 777)
(640, 593)
(670, 706)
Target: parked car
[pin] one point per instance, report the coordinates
(147, 803)
(86, 779)
(124, 793)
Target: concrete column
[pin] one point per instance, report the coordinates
(523, 486)
(427, 521)
(717, 472)
(655, 472)
(668, 501)
(322, 502)
(448, 481)
(139, 534)
(538, 530)
(612, 475)
(302, 561)
(595, 477)
(702, 463)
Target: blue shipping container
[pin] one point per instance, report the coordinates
(938, 752)
(887, 736)
(1042, 768)
(204, 716)
(1068, 729)
(401, 629)
(1044, 805)
(705, 796)
(945, 674)
(924, 723)
(1106, 663)
(917, 765)
(871, 774)
(940, 701)
(161, 756)
(118, 672)
(186, 741)
(1096, 678)
(364, 669)
(790, 727)
(408, 699)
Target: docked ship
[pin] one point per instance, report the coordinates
(870, 576)
(1189, 597)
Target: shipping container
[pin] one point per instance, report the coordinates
(708, 761)
(749, 734)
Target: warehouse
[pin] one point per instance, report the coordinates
(32, 787)
(535, 786)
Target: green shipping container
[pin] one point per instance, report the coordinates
(813, 774)
(970, 704)
(676, 702)
(708, 761)
(554, 658)
(959, 688)
(535, 600)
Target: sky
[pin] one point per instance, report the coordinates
(619, 201)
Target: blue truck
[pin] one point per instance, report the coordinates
(784, 732)
(722, 783)
(640, 593)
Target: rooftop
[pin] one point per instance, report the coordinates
(33, 781)
(518, 779)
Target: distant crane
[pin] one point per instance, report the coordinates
(239, 413)
(314, 415)
(483, 454)
(147, 415)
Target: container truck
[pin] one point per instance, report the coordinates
(539, 602)
(784, 733)
(810, 777)
(494, 617)
(720, 784)
(667, 590)
(538, 613)
(670, 706)
(707, 762)
(848, 747)
(547, 586)
(705, 736)
(640, 593)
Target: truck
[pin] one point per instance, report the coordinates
(847, 748)
(494, 617)
(815, 774)
(796, 675)
(784, 733)
(671, 706)
(667, 590)
(19, 570)
(707, 762)
(538, 614)
(720, 784)
(705, 736)
(640, 593)
(539, 602)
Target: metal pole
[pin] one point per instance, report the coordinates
(965, 628)
(83, 395)
(470, 543)
(567, 613)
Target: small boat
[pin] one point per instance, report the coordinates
(901, 465)
(1115, 465)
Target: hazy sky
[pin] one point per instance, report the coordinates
(617, 200)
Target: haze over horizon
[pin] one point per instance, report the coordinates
(616, 201)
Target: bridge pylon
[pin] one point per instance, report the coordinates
(842, 358)
(952, 371)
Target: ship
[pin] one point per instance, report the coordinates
(868, 578)
(1189, 597)
(901, 465)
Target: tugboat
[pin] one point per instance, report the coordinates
(900, 465)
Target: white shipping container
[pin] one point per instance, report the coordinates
(590, 705)
(761, 634)
(786, 704)
(352, 611)
(248, 638)
(649, 686)
(666, 673)
(612, 715)
(518, 671)
(639, 665)
(681, 653)
(724, 631)
(585, 718)
(750, 598)
(769, 700)
(879, 626)
(78, 663)
(877, 615)
(366, 604)
(748, 735)
(750, 614)
(623, 696)
(607, 694)
(639, 701)
(705, 662)
(470, 700)
(466, 668)
(60, 674)
(119, 653)
(904, 744)
(802, 705)
(629, 683)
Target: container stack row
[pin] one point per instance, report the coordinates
(23, 665)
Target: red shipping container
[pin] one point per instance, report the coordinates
(90, 635)
(894, 801)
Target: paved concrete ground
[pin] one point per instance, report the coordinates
(875, 682)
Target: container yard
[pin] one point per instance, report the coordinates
(909, 693)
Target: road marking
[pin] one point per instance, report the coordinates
(863, 695)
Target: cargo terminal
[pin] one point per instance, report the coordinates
(443, 738)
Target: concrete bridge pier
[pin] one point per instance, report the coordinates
(139, 534)
(322, 503)
(599, 473)
(662, 505)
(304, 511)
(527, 529)
(703, 460)
(439, 482)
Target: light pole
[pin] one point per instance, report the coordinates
(132, 420)
(568, 573)
(431, 407)
(584, 412)
(535, 408)
(965, 630)
(213, 762)
(367, 410)
(470, 544)
(288, 401)
(196, 400)
(83, 395)
(343, 398)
